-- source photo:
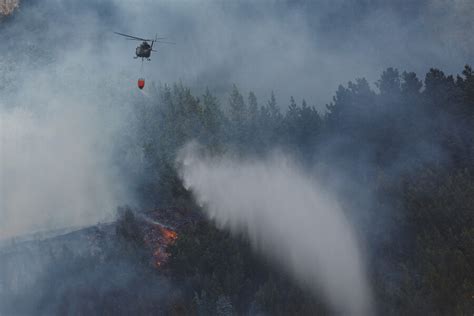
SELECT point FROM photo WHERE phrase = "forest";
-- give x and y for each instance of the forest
(404, 147)
(409, 143)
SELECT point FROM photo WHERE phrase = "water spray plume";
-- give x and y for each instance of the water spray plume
(287, 216)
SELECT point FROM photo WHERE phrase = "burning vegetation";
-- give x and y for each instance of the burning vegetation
(8, 6)
(160, 230)
(154, 231)
(159, 238)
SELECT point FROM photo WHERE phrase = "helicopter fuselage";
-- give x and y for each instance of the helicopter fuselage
(143, 51)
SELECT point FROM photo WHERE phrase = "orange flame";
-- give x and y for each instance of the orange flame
(169, 234)
(159, 238)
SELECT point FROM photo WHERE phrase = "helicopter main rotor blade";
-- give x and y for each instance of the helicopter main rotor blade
(158, 41)
(134, 37)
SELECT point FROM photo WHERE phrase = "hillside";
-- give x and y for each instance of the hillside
(283, 158)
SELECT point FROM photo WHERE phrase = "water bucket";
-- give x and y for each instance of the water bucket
(141, 83)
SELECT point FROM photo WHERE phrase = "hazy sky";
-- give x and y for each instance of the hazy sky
(300, 48)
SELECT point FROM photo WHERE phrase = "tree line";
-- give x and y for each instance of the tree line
(408, 142)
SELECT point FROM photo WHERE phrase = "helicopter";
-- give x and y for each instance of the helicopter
(144, 50)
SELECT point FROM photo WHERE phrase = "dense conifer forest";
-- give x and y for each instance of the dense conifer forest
(408, 142)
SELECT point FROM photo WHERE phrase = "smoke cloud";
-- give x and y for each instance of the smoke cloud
(287, 215)
(63, 114)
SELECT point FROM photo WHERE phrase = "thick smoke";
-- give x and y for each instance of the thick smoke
(63, 109)
(55, 163)
(286, 214)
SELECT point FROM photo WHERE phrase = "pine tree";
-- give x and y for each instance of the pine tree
(238, 117)
(253, 106)
(213, 120)
(237, 106)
